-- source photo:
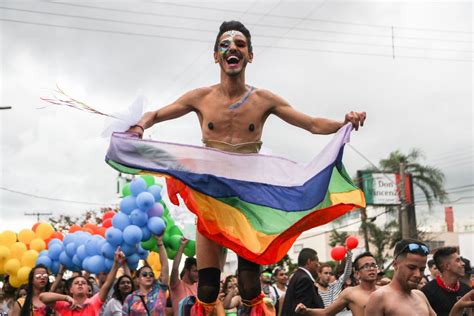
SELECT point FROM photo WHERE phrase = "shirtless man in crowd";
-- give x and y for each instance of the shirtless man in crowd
(231, 116)
(401, 296)
(354, 298)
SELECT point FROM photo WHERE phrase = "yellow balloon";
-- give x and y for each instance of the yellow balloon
(12, 266)
(26, 236)
(4, 253)
(29, 258)
(2, 268)
(38, 244)
(15, 282)
(22, 274)
(17, 250)
(154, 261)
(44, 231)
(7, 238)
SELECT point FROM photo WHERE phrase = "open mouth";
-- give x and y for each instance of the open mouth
(232, 60)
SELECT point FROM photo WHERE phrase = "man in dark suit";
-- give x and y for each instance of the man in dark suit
(302, 288)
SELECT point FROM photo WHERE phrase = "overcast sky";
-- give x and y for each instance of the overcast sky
(325, 57)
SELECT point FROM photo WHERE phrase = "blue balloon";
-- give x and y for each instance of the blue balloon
(71, 249)
(137, 186)
(132, 234)
(114, 236)
(128, 204)
(156, 210)
(156, 191)
(142, 253)
(82, 238)
(108, 250)
(156, 225)
(145, 201)
(120, 221)
(100, 243)
(127, 249)
(138, 218)
(77, 262)
(81, 252)
(133, 266)
(54, 267)
(65, 260)
(146, 233)
(68, 238)
(43, 253)
(96, 264)
(55, 241)
(54, 251)
(133, 259)
(108, 264)
(91, 247)
(45, 260)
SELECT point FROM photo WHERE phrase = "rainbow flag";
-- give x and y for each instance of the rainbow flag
(255, 204)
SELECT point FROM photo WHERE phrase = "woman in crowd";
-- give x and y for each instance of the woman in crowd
(78, 299)
(30, 304)
(122, 288)
(150, 298)
(232, 298)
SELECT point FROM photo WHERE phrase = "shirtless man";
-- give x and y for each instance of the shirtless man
(231, 115)
(355, 298)
(401, 297)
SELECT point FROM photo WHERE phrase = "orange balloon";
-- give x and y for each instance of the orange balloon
(44, 231)
(101, 231)
(26, 236)
(74, 228)
(38, 244)
(91, 226)
(107, 223)
(57, 235)
(33, 228)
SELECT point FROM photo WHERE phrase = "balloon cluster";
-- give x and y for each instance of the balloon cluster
(143, 209)
(18, 253)
(339, 252)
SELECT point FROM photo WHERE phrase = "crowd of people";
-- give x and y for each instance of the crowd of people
(314, 288)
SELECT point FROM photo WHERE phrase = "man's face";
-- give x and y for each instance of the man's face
(325, 276)
(455, 265)
(79, 286)
(434, 270)
(409, 270)
(312, 265)
(367, 269)
(233, 53)
(193, 274)
(281, 277)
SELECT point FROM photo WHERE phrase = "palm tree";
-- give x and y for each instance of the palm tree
(429, 179)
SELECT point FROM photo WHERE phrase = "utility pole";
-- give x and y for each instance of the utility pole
(37, 214)
(403, 205)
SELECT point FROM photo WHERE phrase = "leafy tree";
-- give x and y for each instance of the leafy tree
(337, 238)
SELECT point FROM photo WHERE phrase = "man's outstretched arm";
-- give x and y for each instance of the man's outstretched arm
(315, 125)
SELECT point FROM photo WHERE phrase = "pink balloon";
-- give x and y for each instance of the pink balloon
(351, 242)
(338, 253)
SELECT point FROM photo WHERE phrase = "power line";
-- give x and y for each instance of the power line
(320, 20)
(258, 24)
(194, 29)
(207, 42)
(52, 199)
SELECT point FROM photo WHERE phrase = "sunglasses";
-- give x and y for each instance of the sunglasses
(415, 248)
(368, 266)
(41, 275)
(147, 274)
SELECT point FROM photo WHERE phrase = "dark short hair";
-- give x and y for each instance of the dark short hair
(305, 255)
(188, 264)
(233, 26)
(430, 263)
(402, 247)
(362, 255)
(442, 254)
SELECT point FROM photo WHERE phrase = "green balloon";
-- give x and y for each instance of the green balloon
(166, 239)
(190, 249)
(169, 222)
(156, 248)
(149, 244)
(171, 253)
(174, 230)
(166, 211)
(175, 241)
(126, 190)
(150, 180)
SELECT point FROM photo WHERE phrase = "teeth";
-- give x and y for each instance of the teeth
(232, 57)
